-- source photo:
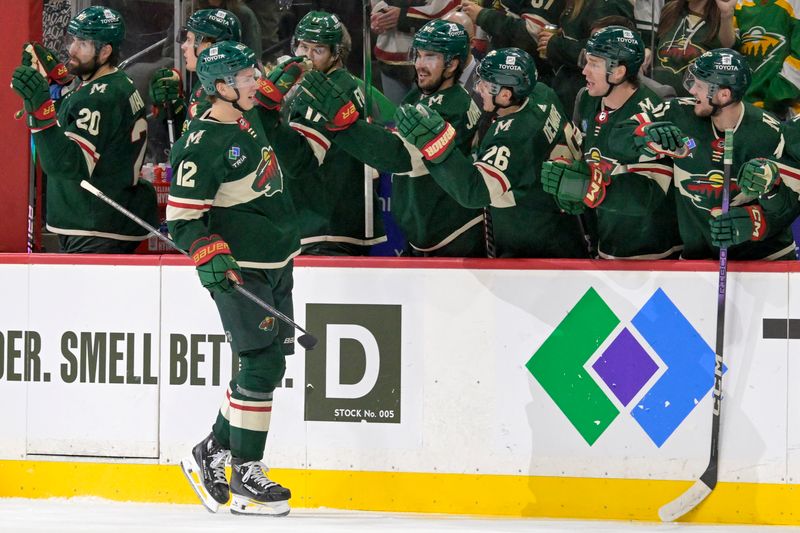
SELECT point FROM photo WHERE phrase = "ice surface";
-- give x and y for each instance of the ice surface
(96, 515)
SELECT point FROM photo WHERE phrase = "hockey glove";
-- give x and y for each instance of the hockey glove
(427, 130)
(740, 224)
(216, 266)
(321, 95)
(166, 87)
(278, 82)
(758, 176)
(46, 62)
(35, 93)
(661, 138)
(567, 180)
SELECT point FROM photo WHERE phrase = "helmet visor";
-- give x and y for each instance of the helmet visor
(77, 45)
(246, 79)
(487, 87)
(310, 50)
(693, 83)
(426, 58)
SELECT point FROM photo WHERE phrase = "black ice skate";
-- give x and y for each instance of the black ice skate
(254, 493)
(205, 470)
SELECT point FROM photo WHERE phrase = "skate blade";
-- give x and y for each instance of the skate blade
(191, 470)
(242, 505)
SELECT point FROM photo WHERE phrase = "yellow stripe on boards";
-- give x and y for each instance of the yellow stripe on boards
(463, 494)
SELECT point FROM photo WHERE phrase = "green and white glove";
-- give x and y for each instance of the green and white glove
(166, 87)
(758, 176)
(661, 138)
(740, 224)
(329, 102)
(34, 90)
(46, 62)
(216, 267)
(427, 130)
(279, 81)
(568, 181)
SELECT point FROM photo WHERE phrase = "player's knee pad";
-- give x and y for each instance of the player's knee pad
(260, 371)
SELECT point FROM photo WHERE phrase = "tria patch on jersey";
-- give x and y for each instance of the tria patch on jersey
(269, 179)
(236, 156)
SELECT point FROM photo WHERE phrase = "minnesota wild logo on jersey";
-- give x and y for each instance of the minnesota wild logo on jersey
(676, 55)
(268, 175)
(761, 44)
(705, 190)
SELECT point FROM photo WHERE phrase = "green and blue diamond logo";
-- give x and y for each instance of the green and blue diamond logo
(625, 366)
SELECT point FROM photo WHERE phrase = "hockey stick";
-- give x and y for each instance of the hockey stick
(307, 341)
(703, 486)
(369, 207)
(32, 199)
(170, 123)
(124, 64)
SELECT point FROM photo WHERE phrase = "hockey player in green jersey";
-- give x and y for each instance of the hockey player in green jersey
(530, 127)
(229, 208)
(99, 134)
(203, 28)
(633, 204)
(433, 222)
(330, 199)
(762, 209)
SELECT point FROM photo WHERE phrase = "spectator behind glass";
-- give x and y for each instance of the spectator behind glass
(268, 16)
(769, 37)
(516, 23)
(689, 28)
(251, 31)
(395, 22)
(563, 48)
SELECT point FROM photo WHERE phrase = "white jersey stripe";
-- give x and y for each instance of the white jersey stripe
(88, 150)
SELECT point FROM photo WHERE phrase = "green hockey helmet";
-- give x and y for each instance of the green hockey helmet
(720, 68)
(618, 45)
(448, 38)
(221, 62)
(213, 25)
(99, 24)
(509, 67)
(319, 27)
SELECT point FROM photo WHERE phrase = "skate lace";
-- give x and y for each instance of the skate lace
(217, 465)
(256, 471)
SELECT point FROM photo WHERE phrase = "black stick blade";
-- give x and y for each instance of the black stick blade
(307, 341)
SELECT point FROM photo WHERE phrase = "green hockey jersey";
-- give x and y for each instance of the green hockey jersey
(228, 180)
(698, 178)
(636, 220)
(101, 138)
(433, 222)
(330, 198)
(769, 31)
(505, 178)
